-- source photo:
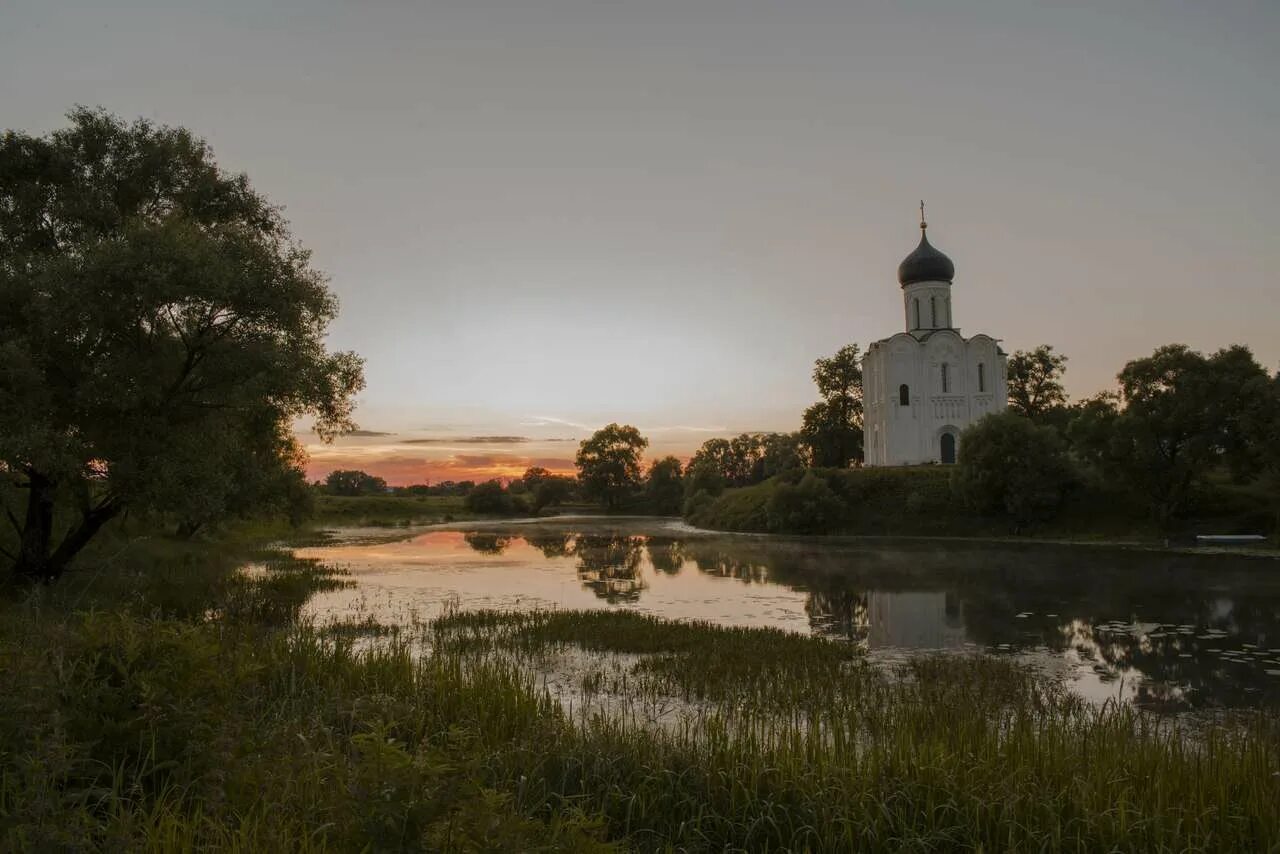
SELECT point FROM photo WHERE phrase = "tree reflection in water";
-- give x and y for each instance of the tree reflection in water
(666, 556)
(1180, 630)
(839, 613)
(609, 566)
(485, 543)
(552, 544)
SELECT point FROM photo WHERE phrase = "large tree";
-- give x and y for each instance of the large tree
(609, 463)
(832, 427)
(354, 482)
(664, 487)
(155, 312)
(740, 460)
(1179, 415)
(1035, 381)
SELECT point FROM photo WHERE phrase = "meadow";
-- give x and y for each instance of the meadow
(163, 698)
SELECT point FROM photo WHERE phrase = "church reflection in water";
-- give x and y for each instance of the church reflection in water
(915, 620)
(1178, 630)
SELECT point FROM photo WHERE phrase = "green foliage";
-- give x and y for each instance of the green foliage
(703, 475)
(696, 506)
(664, 488)
(1179, 415)
(807, 507)
(354, 482)
(547, 489)
(784, 452)
(749, 457)
(1009, 465)
(156, 319)
(491, 498)
(832, 427)
(1035, 382)
(609, 464)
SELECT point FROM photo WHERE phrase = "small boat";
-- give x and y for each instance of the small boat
(1229, 539)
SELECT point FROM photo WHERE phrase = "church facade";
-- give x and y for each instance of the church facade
(924, 385)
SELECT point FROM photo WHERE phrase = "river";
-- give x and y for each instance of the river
(1164, 631)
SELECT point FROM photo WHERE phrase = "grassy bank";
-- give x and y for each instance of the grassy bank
(159, 699)
(920, 501)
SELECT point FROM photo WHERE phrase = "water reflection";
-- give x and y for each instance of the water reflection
(609, 566)
(1164, 631)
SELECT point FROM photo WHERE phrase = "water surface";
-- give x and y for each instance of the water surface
(1164, 631)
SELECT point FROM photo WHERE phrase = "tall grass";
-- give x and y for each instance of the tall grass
(141, 715)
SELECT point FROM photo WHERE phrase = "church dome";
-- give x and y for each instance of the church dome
(925, 264)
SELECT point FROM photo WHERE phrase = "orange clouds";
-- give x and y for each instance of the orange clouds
(403, 459)
(405, 469)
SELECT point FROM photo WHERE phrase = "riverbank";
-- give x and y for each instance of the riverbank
(920, 501)
(163, 698)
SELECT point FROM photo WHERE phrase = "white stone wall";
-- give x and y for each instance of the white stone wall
(912, 434)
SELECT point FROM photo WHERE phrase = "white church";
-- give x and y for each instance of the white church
(923, 386)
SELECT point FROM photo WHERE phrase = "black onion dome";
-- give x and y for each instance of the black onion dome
(925, 264)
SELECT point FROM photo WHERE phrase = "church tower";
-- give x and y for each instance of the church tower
(923, 386)
(925, 276)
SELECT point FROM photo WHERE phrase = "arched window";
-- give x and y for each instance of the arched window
(982, 377)
(904, 395)
(946, 309)
(946, 378)
(917, 326)
(933, 312)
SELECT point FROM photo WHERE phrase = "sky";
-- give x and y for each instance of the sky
(541, 216)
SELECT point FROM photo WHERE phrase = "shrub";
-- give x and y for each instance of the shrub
(490, 497)
(1011, 466)
(697, 504)
(808, 507)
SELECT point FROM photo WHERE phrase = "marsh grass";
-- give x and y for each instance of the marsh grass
(153, 709)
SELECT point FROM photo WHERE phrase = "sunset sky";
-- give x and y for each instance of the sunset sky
(541, 216)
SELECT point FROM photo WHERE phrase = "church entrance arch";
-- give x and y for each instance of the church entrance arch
(948, 448)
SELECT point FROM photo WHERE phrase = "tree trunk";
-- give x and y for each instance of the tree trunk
(37, 529)
(187, 530)
(91, 521)
(37, 559)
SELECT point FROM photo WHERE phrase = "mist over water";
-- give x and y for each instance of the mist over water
(1163, 631)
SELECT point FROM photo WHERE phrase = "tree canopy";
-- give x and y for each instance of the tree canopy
(1178, 415)
(1011, 466)
(155, 314)
(832, 427)
(1035, 381)
(664, 488)
(609, 463)
(354, 482)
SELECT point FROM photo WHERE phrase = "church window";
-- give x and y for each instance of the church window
(946, 378)
(982, 377)
(904, 395)
(933, 312)
(917, 301)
